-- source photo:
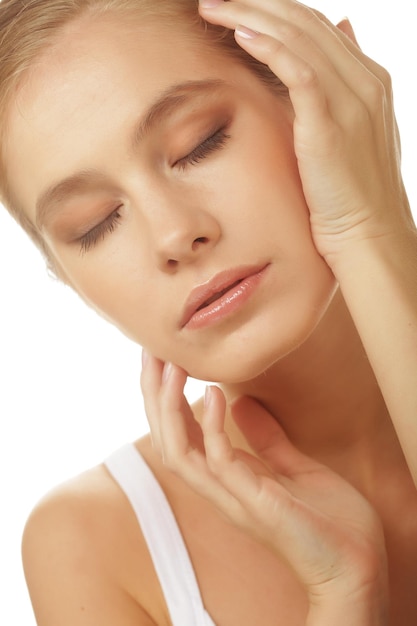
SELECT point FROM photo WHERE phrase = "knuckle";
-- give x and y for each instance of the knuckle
(314, 13)
(306, 76)
(290, 32)
(219, 462)
(300, 13)
(217, 467)
(376, 92)
(385, 77)
(275, 47)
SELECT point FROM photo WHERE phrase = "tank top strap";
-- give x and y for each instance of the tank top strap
(161, 532)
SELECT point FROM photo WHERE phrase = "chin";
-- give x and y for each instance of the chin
(247, 354)
(241, 366)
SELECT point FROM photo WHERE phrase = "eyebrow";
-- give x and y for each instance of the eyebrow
(89, 179)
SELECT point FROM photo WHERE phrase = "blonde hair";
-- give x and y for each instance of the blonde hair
(29, 27)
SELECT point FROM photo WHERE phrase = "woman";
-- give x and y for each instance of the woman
(242, 232)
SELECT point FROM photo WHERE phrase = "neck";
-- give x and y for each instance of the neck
(325, 396)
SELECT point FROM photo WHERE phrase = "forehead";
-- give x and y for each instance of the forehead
(107, 56)
(97, 79)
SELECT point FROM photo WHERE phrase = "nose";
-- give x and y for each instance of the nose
(181, 233)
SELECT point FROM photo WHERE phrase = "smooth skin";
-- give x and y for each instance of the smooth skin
(364, 231)
(294, 483)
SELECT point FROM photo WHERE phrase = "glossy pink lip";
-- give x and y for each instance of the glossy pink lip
(221, 296)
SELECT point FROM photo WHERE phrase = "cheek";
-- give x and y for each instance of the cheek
(261, 187)
(116, 285)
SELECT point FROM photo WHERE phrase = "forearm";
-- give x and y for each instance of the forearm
(378, 279)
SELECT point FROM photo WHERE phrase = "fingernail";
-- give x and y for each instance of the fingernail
(246, 33)
(167, 372)
(145, 357)
(210, 4)
(207, 396)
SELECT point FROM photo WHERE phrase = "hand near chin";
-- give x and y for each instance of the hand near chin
(345, 133)
(302, 511)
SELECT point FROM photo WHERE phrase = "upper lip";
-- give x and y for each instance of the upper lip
(214, 288)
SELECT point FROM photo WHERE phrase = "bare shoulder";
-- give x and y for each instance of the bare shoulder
(85, 558)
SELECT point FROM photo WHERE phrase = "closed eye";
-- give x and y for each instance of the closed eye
(213, 143)
(203, 150)
(98, 233)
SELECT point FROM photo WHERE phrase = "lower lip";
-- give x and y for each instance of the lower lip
(229, 303)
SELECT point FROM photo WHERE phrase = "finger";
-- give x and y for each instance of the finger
(325, 110)
(267, 509)
(273, 23)
(327, 73)
(346, 27)
(300, 15)
(267, 438)
(179, 431)
(185, 454)
(307, 93)
(219, 451)
(239, 472)
(316, 91)
(351, 43)
(150, 380)
(309, 35)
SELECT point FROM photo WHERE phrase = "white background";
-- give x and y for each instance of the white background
(69, 383)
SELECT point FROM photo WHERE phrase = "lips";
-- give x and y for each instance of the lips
(218, 295)
(214, 291)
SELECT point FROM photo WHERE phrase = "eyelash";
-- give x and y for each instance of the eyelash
(208, 146)
(204, 149)
(107, 226)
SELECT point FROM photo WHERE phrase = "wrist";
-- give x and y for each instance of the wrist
(358, 597)
(358, 254)
(365, 608)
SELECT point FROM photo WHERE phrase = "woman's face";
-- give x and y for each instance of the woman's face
(162, 173)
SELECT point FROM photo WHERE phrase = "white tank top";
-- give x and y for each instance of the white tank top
(162, 535)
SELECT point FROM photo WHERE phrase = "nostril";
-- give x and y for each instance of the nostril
(172, 263)
(199, 240)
